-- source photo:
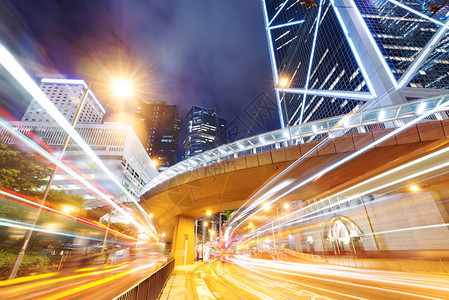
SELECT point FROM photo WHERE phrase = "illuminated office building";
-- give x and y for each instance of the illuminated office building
(116, 144)
(160, 123)
(342, 55)
(205, 130)
(66, 95)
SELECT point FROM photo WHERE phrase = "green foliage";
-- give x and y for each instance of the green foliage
(32, 262)
(19, 171)
(125, 228)
(229, 213)
(23, 173)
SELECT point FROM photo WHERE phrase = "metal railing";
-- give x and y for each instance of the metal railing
(304, 133)
(150, 287)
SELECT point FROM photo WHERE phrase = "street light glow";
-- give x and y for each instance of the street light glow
(122, 88)
(151, 215)
(414, 188)
(208, 212)
(283, 82)
(286, 205)
(154, 163)
(66, 208)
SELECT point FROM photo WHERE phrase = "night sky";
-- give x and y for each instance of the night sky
(185, 52)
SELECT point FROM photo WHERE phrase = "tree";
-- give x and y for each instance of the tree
(21, 172)
(24, 173)
(229, 213)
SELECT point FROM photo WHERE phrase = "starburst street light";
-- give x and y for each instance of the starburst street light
(122, 87)
(283, 82)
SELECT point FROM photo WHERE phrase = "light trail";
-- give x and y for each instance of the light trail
(217, 264)
(348, 158)
(23, 288)
(20, 75)
(245, 286)
(54, 211)
(95, 283)
(42, 152)
(410, 165)
(341, 272)
(26, 226)
(282, 267)
(301, 284)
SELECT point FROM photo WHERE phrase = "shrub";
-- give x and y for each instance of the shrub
(32, 262)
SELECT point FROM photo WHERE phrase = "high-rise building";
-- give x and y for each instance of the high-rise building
(116, 144)
(66, 95)
(160, 122)
(118, 147)
(205, 130)
(332, 56)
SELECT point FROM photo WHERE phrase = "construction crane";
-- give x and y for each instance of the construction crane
(435, 8)
(309, 3)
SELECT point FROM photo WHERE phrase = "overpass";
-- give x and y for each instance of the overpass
(225, 177)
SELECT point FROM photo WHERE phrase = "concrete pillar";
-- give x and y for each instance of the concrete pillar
(183, 248)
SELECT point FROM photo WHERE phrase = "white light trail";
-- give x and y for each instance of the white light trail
(15, 69)
(320, 271)
(35, 147)
(337, 164)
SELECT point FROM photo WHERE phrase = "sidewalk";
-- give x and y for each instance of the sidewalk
(180, 283)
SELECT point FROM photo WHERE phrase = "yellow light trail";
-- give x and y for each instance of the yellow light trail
(11, 291)
(28, 278)
(94, 283)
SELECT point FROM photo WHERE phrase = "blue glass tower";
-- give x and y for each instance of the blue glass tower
(205, 130)
(333, 56)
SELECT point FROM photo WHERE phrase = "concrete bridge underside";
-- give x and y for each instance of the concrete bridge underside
(176, 203)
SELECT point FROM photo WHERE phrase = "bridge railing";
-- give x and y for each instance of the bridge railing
(358, 122)
(150, 287)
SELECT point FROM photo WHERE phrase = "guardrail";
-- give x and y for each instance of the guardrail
(150, 287)
(367, 120)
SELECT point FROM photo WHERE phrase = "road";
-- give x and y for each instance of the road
(235, 278)
(247, 278)
(94, 282)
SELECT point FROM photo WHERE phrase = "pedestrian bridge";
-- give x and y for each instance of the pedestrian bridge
(225, 177)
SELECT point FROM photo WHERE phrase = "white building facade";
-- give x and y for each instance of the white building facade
(115, 144)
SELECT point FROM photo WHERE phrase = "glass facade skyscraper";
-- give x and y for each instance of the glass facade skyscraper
(205, 130)
(160, 122)
(333, 56)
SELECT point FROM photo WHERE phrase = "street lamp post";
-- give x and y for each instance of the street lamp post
(283, 83)
(268, 207)
(274, 240)
(196, 239)
(28, 234)
(106, 259)
(204, 238)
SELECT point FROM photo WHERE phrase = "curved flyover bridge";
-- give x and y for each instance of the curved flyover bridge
(225, 177)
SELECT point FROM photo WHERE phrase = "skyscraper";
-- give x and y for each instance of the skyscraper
(333, 56)
(160, 123)
(116, 144)
(66, 95)
(205, 130)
